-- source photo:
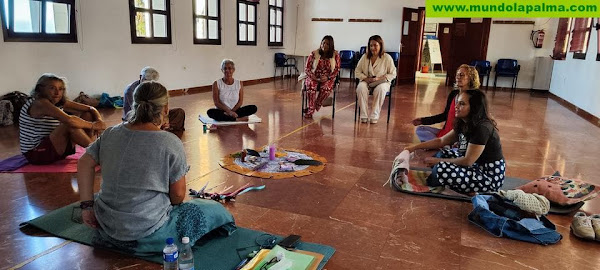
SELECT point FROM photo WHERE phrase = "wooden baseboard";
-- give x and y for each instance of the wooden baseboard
(585, 115)
(208, 88)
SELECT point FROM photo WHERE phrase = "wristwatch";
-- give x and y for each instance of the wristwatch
(86, 204)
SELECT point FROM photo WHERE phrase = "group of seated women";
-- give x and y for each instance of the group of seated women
(50, 126)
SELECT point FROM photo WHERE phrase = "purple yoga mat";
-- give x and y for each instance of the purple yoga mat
(13, 163)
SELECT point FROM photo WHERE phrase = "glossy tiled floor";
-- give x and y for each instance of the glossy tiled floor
(346, 205)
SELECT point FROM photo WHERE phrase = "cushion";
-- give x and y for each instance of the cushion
(561, 190)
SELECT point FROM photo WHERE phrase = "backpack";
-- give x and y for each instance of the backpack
(6, 113)
(17, 99)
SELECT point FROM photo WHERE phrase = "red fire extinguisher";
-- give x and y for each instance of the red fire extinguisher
(537, 38)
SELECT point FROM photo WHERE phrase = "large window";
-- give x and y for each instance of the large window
(207, 22)
(246, 23)
(150, 21)
(275, 22)
(38, 20)
(562, 39)
(582, 29)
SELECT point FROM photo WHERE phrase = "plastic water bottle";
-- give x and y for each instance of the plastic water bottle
(170, 255)
(186, 260)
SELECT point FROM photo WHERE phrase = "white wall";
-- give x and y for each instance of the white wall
(578, 81)
(351, 35)
(513, 41)
(104, 60)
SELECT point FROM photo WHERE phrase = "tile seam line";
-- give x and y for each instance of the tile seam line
(41, 254)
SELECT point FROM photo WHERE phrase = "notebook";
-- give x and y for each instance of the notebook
(299, 260)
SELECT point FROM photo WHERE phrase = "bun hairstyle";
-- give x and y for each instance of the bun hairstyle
(37, 91)
(149, 99)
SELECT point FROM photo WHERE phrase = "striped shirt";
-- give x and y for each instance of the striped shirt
(33, 130)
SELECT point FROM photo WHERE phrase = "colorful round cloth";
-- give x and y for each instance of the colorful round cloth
(281, 167)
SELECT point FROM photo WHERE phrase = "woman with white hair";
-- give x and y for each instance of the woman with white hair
(176, 116)
(228, 96)
(147, 74)
(140, 203)
(46, 132)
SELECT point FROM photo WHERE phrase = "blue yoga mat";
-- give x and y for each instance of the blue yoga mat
(218, 253)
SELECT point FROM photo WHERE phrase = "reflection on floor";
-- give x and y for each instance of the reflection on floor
(345, 205)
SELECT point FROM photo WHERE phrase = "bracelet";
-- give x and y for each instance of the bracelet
(86, 204)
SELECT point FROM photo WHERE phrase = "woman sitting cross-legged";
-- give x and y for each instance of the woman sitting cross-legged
(478, 165)
(228, 96)
(143, 183)
(322, 67)
(46, 132)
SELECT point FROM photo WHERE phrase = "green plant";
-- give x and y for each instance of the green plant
(425, 56)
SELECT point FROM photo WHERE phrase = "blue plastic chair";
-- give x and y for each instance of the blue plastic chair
(347, 61)
(395, 56)
(389, 95)
(282, 61)
(483, 68)
(507, 68)
(363, 50)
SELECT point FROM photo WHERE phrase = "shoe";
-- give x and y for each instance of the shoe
(308, 116)
(327, 102)
(373, 121)
(364, 120)
(582, 226)
(596, 224)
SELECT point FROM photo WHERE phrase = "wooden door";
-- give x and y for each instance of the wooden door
(411, 41)
(445, 37)
(469, 42)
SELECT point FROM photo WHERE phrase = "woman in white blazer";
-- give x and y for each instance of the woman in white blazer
(375, 70)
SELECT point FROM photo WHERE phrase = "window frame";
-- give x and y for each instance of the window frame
(598, 37)
(207, 41)
(575, 32)
(562, 38)
(11, 36)
(269, 25)
(150, 40)
(255, 23)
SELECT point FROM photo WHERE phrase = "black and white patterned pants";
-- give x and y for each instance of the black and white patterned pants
(486, 177)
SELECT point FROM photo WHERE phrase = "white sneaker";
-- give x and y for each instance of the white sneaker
(596, 225)
(582, 226)
(374, 121)
(364, 120)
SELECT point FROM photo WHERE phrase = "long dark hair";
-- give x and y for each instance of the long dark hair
(327, 54)
(478, 113)
(380, 41)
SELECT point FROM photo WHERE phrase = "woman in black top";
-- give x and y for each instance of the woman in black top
(478, 164)
(467, 78)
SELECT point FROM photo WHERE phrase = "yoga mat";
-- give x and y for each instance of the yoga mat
(252, 119)
(67, 165)
(219, 253)
(509, 183)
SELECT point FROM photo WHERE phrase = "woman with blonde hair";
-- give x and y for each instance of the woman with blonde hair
(140, 204)
(46, 132)
(467, 78)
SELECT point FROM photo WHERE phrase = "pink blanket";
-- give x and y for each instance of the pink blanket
(68, 165)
